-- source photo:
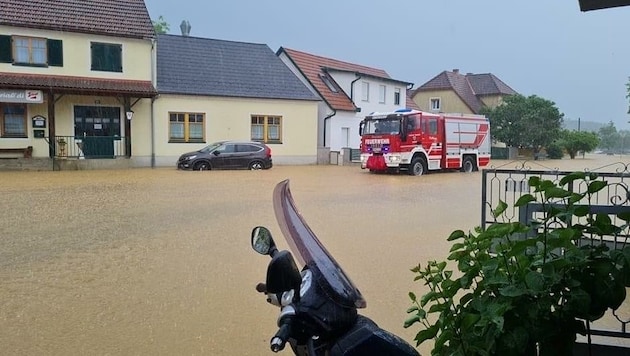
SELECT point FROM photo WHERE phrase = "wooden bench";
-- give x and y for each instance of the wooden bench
(26, 152)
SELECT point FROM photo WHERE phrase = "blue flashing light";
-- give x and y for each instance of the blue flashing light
(403, 110)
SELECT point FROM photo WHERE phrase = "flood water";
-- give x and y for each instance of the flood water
(158, 261)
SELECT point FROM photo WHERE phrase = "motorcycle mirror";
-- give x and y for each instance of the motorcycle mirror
(262, 242)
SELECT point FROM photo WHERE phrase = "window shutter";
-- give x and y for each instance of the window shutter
(6, 54)
(55, 53)
(118, 65)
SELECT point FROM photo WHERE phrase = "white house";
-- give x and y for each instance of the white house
(348, 92)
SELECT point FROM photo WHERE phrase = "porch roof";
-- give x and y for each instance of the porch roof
(78, 85)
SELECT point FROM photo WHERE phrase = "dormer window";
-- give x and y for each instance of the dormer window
(329, 83)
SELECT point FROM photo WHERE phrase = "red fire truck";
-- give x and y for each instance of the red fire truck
(418, 142)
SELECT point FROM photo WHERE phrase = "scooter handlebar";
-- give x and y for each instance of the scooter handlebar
(279, 340)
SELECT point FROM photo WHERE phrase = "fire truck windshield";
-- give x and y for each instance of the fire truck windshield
(381, 126)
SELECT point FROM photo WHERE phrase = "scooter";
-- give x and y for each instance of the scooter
(318, 304)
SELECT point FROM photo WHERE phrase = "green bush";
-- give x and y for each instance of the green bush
(554, 151)
(525, 289)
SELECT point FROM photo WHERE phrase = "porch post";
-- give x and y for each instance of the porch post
(127, 127)
(51, 123)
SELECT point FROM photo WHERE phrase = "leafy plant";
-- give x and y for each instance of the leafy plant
(554, 150)
(525, 289)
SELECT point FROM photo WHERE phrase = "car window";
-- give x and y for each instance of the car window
(227, 148)
(247, 148)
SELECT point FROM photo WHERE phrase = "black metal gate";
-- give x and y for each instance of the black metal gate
(509, 184)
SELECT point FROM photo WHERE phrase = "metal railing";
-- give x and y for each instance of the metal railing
(80, 147)
(508, 185)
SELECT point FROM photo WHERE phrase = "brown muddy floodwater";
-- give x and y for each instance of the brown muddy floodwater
(158, 261)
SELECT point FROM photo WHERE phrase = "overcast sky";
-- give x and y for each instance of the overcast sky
(579, 60)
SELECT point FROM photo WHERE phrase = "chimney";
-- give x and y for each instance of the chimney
(456, 71)
(185, 27)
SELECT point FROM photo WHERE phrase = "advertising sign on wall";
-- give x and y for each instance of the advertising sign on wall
(21, 96)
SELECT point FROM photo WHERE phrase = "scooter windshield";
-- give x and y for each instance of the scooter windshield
(310, 252)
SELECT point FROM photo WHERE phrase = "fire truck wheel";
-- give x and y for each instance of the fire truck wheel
(468, 165)
(418, 166)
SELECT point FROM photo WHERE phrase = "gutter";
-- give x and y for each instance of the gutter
(326, 119)
(152, 113)
(352, 88)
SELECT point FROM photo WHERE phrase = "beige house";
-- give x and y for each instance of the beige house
(213, 90)
(67, 82)
(453, 92)
(81, 91)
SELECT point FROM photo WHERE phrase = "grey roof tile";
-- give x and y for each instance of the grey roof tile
(201, 66)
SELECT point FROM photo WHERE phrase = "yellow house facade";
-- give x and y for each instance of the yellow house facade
(454, 92)
(231, 119)
(213, 90)
(77, 90)
(68, 84)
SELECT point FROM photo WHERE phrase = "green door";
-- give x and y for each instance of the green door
(97, 127)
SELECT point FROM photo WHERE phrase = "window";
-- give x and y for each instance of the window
(12, 120)
(381, 94)
(397, 96)
(431, 126)
(435, 104)
(267, 129)
(366, 91)
(31, 51)
(106, 57)
(186, 127)
(326, 79)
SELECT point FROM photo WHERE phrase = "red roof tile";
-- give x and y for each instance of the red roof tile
(78, 85)
(120, 18)
(410, 103)
(314, 67)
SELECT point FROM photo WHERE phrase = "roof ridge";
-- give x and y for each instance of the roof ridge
(335, 60)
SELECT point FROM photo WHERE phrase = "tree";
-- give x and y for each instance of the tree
(624, 141)
(575, 141)
(609, 137)
(161, 26)
(531, 122)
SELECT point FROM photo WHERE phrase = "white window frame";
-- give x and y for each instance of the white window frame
(382, 92)
(435, 104)
(396, 96)
(365, 93)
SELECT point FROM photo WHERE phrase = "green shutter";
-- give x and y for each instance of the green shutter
(118, 66)
(55, 53)
(6, 54)
(106, 57)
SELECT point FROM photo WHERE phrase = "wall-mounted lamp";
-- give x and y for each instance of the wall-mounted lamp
(129, 114)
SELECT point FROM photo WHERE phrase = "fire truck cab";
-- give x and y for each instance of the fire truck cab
(418, 142)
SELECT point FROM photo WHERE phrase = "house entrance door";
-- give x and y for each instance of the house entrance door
(99, 128)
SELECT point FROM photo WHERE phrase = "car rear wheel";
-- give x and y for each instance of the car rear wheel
(256, 165)
(468, 165)
(202, 166)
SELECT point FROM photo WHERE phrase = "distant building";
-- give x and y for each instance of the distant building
(348, 92)
(453, 92)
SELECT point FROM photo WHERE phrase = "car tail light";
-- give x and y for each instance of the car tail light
(268, 151)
